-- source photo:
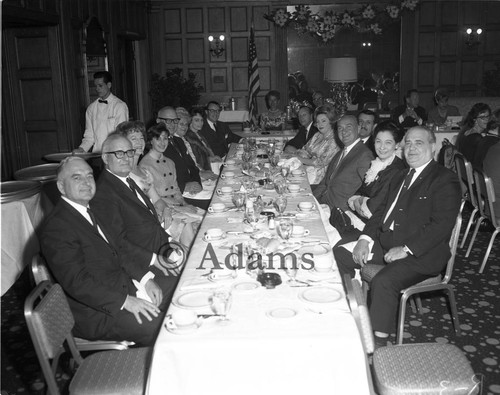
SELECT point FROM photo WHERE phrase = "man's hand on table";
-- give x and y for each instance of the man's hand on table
(140, 307)
(154, 292)
(360, 252)
(193, 187)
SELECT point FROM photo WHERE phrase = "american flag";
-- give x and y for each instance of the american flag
(253, 78)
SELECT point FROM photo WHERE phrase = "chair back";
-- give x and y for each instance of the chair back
(50, 321)
(39, 270)
(485, 196)
(455, 234)
(464, 171)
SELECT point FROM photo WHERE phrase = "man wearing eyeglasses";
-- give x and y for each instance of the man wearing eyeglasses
(217, 133)
(188, 174)
(131, 215)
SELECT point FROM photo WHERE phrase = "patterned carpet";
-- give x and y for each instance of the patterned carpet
(478, 298)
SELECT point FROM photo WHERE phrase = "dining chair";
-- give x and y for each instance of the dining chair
(40, 272)
(439, 282)
(465, 175)
(486, 198)
(421, 368)
(50, 322)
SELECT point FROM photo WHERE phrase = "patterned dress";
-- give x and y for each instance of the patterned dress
(322, 148)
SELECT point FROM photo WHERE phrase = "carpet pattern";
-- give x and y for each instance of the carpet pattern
(478, 301)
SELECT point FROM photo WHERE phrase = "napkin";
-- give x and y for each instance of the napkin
(292, 163)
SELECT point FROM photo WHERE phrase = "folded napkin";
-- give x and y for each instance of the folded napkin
(292, 163)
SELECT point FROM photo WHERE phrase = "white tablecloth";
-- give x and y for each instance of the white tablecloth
(257, 354)
(19, 241)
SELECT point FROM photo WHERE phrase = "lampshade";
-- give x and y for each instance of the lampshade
(341, 70)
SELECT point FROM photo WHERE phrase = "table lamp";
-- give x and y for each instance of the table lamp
(339, 72)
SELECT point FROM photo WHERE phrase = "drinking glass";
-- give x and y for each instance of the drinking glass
(279, 186)
(253, 217)
(239, 200)
(285, 228)
(285, 170)
(220, 303)
(291, 269)
(280, 204)
(274, 159)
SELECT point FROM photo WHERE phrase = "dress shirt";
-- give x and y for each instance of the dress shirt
(100, 120)
(308, 129)
(212, 125)
(350, 147)
(365, 139)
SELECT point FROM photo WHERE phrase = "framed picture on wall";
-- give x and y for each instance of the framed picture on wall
(218, 79)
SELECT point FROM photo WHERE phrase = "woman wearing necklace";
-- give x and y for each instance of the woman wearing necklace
(274, 118)
(442, 110)
(475, 124)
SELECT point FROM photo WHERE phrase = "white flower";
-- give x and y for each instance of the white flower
(347, 19)
(393, 11)
(312, 25)
(410, 4)
(328, 20)
(281, 17)
(368, 13)
(374, 27)
(327, 35)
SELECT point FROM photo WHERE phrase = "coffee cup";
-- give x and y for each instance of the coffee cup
(320, 255)
(297, 172)
(300, 231)
(247, 130)
(225, 191)
(227, 175)
(217, 208)
(306, 206)
(183, 318)
(214, 234)
(293, 188)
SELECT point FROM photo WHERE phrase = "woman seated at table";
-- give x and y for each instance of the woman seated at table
(387, 137)
(202, 149)
(162, 170)
(178, 229)
(274, 118)
(322, 147)
(442, 110)
(195, 149)
(470, 136)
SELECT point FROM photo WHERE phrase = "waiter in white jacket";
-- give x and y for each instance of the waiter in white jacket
(102, 115)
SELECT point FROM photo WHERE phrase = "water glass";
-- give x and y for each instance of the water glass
(220, 303)
(239, 200)
(285, 228)
(280, 204)
(285, 170)
(280, 187)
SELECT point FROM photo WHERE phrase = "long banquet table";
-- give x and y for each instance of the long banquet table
(276, 342)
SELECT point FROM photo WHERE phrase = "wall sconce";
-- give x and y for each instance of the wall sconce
(366, 44)
(473, 36)
(216, 45)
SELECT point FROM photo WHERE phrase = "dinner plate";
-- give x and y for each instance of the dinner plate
(184, 330)
(246, 286)
(282, 312)
(193, 299)
(320, 295)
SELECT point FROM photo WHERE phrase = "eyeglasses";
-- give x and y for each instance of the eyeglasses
(120, 154)
(484, 117)
(169, 121)
(213, 111)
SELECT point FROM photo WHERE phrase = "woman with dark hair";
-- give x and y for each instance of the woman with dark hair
(201, 148)
(322, 147)
(442, 110)
(274, 118)
(475, 124)
(387, 137)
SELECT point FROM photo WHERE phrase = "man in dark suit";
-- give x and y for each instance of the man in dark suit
(306, 130)
(410, 231)
(347, 169)
(82, 254)
(132, 216)
(410, 114)
(367, 121)
(217, 133)
(188, 174)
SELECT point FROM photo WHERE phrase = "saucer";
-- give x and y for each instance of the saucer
(184, 330)
(322, 296)
(219, 277)
(224, 235)
(246, 286)
(193, 300)
(282, 312)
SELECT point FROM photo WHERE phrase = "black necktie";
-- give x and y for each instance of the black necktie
(135, 188)
(103, 101)
(92, 218)
(406, 185)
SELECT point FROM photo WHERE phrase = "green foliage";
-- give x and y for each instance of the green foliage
(491, 81)
(174, 90)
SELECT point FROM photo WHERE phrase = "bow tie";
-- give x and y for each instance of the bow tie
(103, 101)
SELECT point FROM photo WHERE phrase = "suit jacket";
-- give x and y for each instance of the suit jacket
(87, 267)
(370, 143)
(408, 122)
(184, 165)
(300, 138)
(200, 151)
(220, 139)
(341, 182)
(428, 211)
(136, 229)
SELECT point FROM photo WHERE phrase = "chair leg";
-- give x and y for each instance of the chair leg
(476, 229)
(453, 308)
(469, 224)
(418, 302)
(413, 305)
(401, 318)
(365, 286)
(488, 250)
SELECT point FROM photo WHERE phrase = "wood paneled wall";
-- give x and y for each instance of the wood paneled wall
(436, 52)
(179, 39)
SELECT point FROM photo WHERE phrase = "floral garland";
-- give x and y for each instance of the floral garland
(367, 18)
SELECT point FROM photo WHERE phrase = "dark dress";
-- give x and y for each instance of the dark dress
(200, 151)
(468, 145)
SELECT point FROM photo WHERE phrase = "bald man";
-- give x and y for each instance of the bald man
(83, 256)
(347, 169)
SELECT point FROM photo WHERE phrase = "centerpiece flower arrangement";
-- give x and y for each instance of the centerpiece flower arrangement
(324, 27)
